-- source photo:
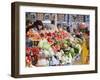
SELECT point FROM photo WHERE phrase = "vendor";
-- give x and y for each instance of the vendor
(38, 25)
(85, 46)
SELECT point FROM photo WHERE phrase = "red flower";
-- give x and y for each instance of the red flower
(78, 33)
(82, 26)
(50, 41)
(53, 34)
(35, 50)
(35, 53)
(28, 59)
(28, 50)
(56, 48)
(65, 34)
(62, 32)
(58, 37)
(49, 34)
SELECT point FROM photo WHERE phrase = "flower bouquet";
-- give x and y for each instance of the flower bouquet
(54, 48)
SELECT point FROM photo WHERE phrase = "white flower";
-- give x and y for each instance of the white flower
(79, 47)
(51, 51)
(59, 55)
(43, 62)
(54, 61)
(46, 53)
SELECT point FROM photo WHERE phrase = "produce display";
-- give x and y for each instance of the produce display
(52, 48)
